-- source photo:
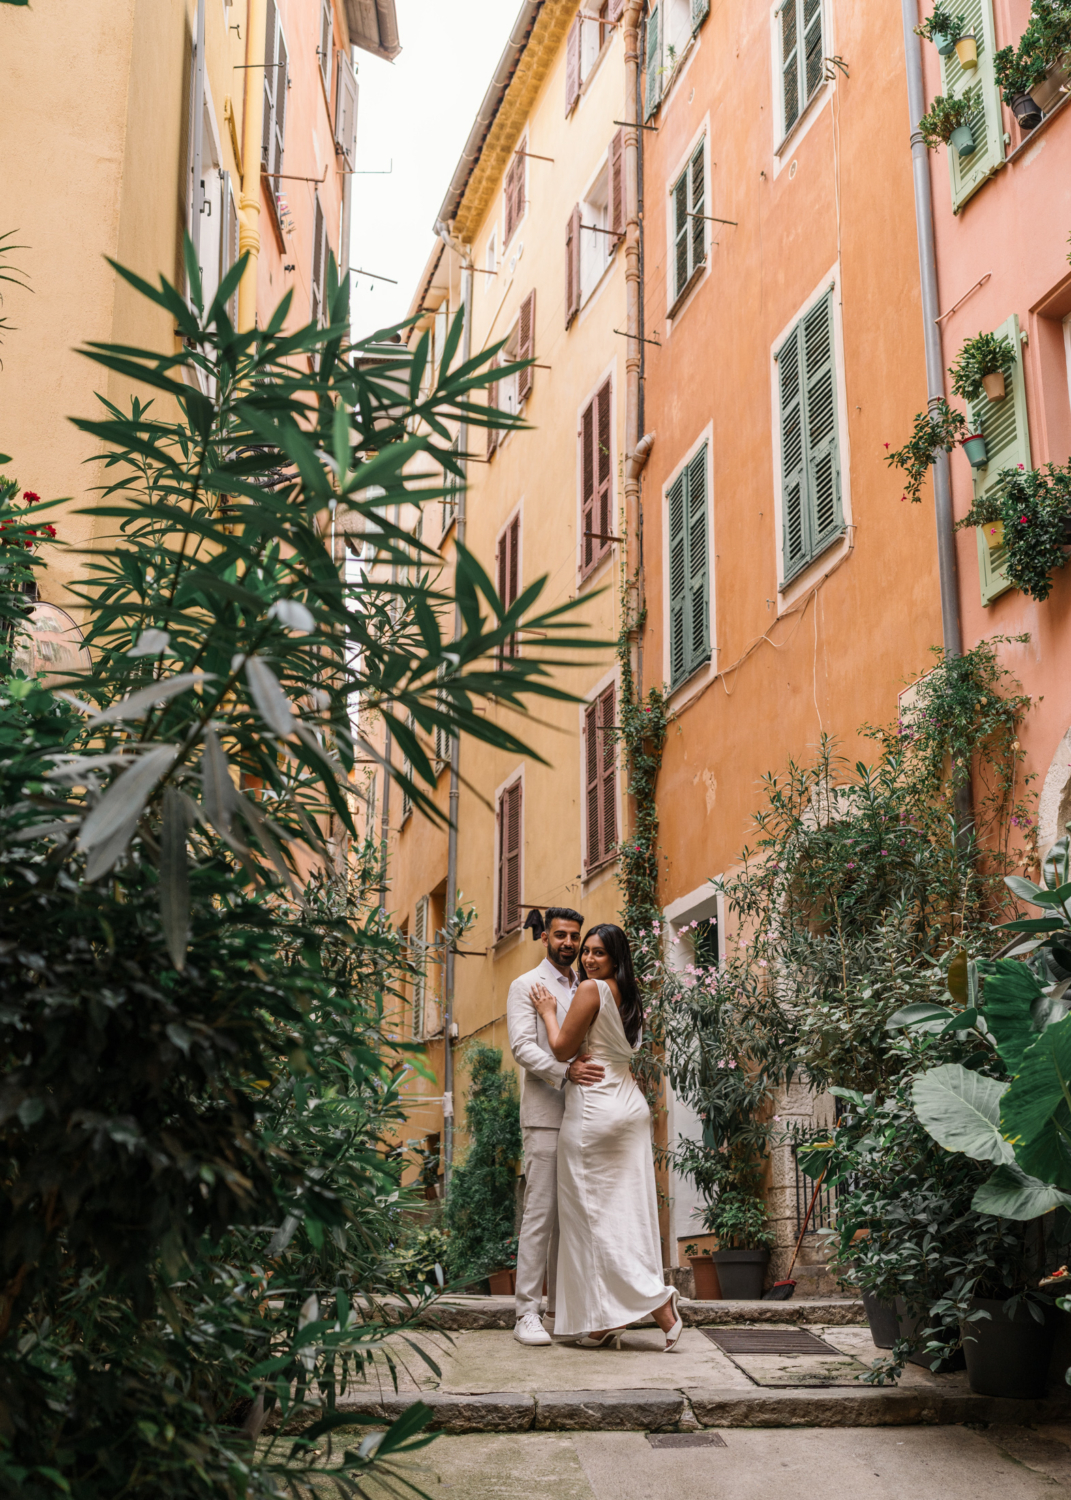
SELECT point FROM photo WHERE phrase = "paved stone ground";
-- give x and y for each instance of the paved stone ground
(946, 1463)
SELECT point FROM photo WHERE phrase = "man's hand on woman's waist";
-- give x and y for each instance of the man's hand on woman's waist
(583, 1071)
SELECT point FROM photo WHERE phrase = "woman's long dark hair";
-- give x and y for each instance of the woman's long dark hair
(620, 954)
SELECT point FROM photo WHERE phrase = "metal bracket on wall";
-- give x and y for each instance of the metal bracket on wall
(634, 124)
(291, 177)
(625, 335)
(711, 219)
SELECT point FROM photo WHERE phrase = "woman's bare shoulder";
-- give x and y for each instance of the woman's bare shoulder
(587, 989)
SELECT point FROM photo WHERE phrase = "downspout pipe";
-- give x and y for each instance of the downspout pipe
(450, 958)
(256, 24)
(931, 329)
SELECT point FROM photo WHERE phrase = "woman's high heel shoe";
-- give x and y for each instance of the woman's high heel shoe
(612, 1338)
(673, 1336)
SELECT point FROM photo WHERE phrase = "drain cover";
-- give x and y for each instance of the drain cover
(767, 1341)
(685, 1440)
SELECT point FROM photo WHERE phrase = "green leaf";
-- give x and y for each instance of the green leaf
(1011, 991)
(174, 877)
(1026, 890)
(957, 978)
(918, 1014)
(1011, 1194)
(961, 1111)
(1033, 924)
(1036, 1111)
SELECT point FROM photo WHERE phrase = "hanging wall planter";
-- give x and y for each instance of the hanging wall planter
(974, 448)
(967, 52)
(1026, 111)
(962, 138)
(994, 385)
(943, 43)
(993, 531)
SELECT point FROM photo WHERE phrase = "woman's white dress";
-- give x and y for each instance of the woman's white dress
(609, 1253)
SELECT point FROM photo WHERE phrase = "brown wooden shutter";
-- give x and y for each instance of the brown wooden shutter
(513, 193)
(281, 72)
(592, 789)
(572, 266)
(318, 247)
(268, 130)
(526, 345)
(603, 475)
(493, 433)
(587, 488)
(608, 774)
(572, 66)
(614, 11)
(326, 38)
(616, 185)
(509, 859)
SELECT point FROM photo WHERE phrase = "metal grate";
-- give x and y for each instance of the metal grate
(686, 1440)
(767, 1341)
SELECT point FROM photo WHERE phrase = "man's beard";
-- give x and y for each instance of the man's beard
(566, 960)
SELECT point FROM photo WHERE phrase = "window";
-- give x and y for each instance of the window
(596, 481)
(443, 740)
(968, 173)
(1007, 443)
(513, 192)
(323, 51)
(407, 771)
(320, 252)
(689, 226)
(689, 570)
(670, 27)
(509, 578)
(209, 212)
(418, 955)
(588, 34)
(802, 62)
(508, 918)
(275, 83)
(810, 459)
(595, 229)
(491, 259)
(600, 779)
(511, 391)
(346, 109)
(452, 484)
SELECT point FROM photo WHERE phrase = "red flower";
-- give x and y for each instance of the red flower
(29, 496)
(1022, 520)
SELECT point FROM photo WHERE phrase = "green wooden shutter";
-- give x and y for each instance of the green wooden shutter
(697, 177)
(813, 59)
(823, 464)
(678, 580)
(968, 173)
(1007, 443)
(419, 956)
(700, 11)
(680, 235)
(793, 485)
(653, 92)
(790, 69)
(697, 612)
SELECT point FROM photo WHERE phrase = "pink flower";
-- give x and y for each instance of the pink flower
(851, 864)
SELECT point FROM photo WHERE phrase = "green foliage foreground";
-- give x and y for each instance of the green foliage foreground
(199, 1193)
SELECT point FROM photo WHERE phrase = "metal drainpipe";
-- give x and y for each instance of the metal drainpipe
(256, 23)
(450, 964)
(935, 374)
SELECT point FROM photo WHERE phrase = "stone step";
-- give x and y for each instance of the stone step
(689, 1409)
(461, 1314)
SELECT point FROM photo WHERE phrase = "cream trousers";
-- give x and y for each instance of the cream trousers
(537, 1250)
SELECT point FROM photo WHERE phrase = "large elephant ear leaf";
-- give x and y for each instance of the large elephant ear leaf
(1011, 1194)
(1035, 1113)
(1011, 990)
(961, 1110)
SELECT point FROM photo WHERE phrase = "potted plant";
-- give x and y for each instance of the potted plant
(942, 28)
(1032, 75)
(967, 52)
(940, 429)
(740, 1220)
(974, 447)
(705, 1272)
(1032, 509)
(982, 367)
(947, 122)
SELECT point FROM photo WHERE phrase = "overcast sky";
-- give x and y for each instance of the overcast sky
(416, 113)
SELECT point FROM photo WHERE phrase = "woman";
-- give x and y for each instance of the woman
(609, 1257)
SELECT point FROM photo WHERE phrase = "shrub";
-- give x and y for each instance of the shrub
(1034, 506)
(482, 1206)
(941, 429)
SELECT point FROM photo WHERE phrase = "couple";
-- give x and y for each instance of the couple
(590, 1222)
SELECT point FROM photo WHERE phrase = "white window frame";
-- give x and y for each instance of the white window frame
(788, 137)
(697, 680)
(790, 593)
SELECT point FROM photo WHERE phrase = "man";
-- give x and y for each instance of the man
(542, 1107)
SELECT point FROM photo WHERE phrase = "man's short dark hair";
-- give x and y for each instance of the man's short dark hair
(562, 914)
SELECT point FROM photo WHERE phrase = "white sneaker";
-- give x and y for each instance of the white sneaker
(529, 1330)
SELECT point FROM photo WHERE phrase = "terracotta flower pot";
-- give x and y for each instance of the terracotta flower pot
(974, 448)
(967, 52)
(994, 385)
(502, 1283)
(707, 1285)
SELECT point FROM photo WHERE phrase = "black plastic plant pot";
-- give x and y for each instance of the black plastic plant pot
(1065, 522)
(884, 1324)
(1008, 1356)
(741, 1273)
(1026, 112)
(910, 1324)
